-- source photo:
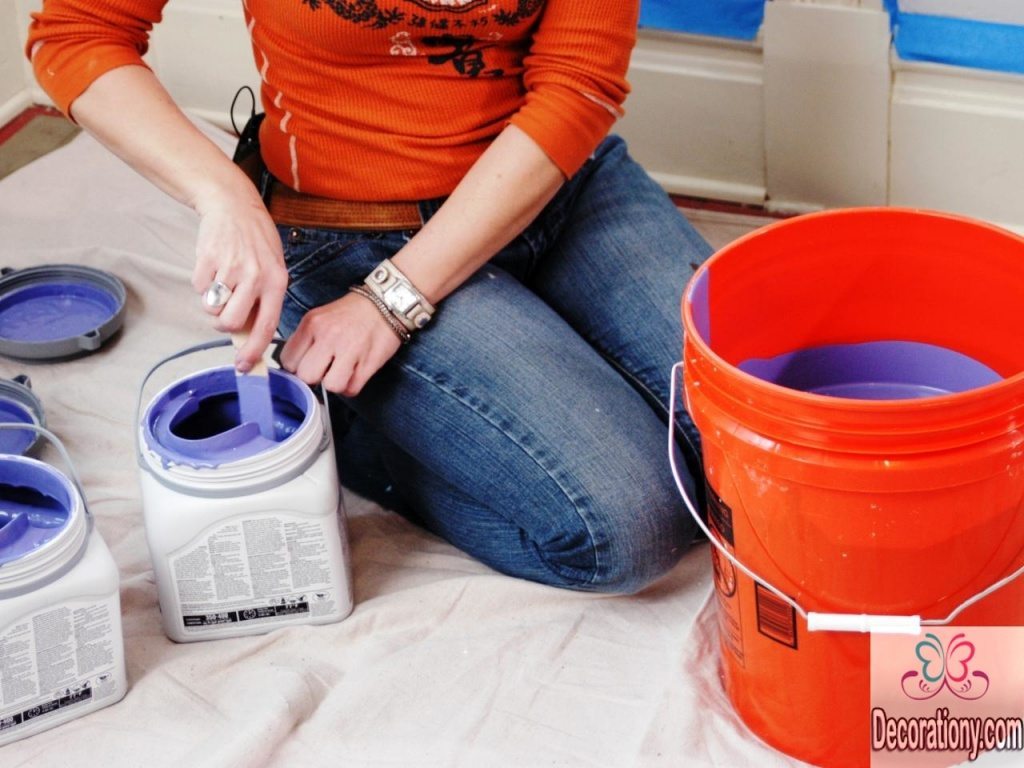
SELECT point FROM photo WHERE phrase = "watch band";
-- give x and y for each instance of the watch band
(399, 295)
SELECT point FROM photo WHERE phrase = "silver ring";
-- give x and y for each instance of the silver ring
(216, 295)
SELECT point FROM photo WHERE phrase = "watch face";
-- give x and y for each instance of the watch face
(400, 298)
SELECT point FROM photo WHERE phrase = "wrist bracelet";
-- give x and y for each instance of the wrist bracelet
(399, 295)
(391, 320)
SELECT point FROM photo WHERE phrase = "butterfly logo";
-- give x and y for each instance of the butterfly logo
(944, 668)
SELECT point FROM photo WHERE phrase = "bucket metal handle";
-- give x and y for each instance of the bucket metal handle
(817, 622)
(65, 456)
(202, 347)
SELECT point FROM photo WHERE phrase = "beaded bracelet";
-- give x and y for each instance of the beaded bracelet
(393, 322)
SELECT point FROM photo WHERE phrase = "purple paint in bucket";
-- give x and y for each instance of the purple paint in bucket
(15, 442)
(872, 370)
(877, 370)
(18, 405)
(35, 506)
(197, 421)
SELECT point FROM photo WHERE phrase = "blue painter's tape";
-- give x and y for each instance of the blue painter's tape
(738, 19)
(959, 42)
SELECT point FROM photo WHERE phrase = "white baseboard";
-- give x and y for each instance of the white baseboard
(709, 189)
(695, 116)
(14, 106)
(956, 142)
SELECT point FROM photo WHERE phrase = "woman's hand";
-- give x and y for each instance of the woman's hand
(132, 115)
(341, 344)
(238, 245)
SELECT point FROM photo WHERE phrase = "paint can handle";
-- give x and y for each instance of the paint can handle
(816, 622)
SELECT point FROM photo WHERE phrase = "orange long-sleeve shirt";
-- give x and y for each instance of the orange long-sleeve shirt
(386, 99)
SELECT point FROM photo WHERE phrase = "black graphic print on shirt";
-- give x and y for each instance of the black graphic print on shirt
(465, 53)
(457, 44)
(369, 13)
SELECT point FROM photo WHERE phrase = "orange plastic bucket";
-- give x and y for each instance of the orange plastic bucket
(863, 504)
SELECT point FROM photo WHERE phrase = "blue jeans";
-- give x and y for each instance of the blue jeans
(527, 424)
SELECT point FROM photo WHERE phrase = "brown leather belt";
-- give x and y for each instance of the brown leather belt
(292, 208)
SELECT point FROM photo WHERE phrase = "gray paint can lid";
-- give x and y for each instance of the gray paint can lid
(59, 311)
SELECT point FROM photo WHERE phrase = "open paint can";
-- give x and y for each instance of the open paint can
(61, 648)
(246, 532)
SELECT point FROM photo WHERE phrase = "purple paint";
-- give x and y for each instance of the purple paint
(35, 506)
(52, 311)
(255, 402)
(198, 422)
(877, 370)
(701, 303)
(15, 441)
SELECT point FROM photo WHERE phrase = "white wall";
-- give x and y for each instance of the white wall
(814, 113)
(695, 117)
(14, 96)
(200, 51)
(202, 55)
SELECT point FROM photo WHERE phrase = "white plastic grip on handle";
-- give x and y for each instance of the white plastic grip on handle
(863, 622)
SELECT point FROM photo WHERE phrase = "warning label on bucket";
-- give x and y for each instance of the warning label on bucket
(256, 570)
(56, 662)
(720, 524)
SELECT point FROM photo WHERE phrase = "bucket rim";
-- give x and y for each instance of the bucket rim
(57, 554)
(172, 458)
(812, 399)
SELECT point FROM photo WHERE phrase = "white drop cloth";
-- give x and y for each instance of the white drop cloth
(442, 663)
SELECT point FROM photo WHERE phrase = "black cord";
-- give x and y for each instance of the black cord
(252, 112)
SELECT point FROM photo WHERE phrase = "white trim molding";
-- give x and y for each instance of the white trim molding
(695, 116)
(956, 141)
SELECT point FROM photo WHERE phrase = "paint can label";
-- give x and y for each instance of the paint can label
(251, 572)
(58, 663)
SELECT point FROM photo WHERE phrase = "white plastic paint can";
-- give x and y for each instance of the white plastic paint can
(246, 534)
(61, 646)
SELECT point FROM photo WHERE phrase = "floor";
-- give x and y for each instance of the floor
(33, 133)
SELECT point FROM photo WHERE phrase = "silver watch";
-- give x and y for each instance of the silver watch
(399, 295)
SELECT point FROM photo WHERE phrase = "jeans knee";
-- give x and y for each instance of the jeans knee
(621, 548)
